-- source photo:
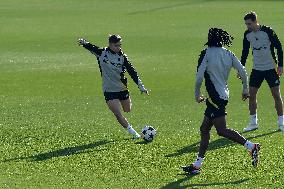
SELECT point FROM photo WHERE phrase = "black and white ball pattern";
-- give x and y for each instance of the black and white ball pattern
(148, 133)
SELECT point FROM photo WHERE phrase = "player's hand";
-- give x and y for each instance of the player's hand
(245, 96)
(199, 98)
(145, 91)
(82, 41)
(238, 76)
(279, 71)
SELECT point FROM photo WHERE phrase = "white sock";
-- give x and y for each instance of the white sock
(253, 119)
(280, 120)
(131, 130)
(198, 162)
(249, 145)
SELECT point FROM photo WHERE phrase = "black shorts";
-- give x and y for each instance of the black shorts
(122, 95)
(257, 77)
(215, 108)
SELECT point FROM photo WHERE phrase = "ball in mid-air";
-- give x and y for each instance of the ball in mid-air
(148, 133)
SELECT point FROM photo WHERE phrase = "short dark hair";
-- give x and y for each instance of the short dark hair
(218, 37)
(251, 15)
(114, 38)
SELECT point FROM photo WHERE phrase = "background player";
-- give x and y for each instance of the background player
(263, 40)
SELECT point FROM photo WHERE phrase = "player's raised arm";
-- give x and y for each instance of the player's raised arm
(245, 51)
(92, 48)
(202, 64)
(134, 75)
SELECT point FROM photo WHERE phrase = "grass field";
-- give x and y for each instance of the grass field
(56, 131)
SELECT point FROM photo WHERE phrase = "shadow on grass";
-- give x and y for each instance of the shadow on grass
(216, 144)
(63, 152)
(143, 142)
(177, 184)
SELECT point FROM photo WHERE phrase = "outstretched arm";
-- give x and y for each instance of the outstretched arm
(134, 75)
(92, 48)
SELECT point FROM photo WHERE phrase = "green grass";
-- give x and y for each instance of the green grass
(56, 131)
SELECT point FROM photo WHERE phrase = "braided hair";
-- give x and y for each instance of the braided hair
(218, 38)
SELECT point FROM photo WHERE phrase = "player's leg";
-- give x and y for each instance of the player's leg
(126, 104)
(253, 124)
(205, 137)
(125, 101)
(222, 130)
(273, 81)
(278, 100)
(256, 79)
(278, 105)
(205, 129)
(115, 106)
(253, 100)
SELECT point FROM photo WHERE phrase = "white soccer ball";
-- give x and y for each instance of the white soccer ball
(148, 133)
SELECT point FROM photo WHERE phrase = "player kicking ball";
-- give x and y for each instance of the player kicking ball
(113, 64)
(215, 63)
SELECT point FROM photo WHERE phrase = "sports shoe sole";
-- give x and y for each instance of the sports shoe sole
(251, 129)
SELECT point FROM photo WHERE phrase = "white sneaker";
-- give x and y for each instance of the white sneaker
(251, 127)
(136, 136)
(281, 127)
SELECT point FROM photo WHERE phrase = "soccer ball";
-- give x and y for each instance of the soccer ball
(148, 133)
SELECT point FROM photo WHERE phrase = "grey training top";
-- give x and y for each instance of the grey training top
(112, 67)
(215, 64)
(263, 43)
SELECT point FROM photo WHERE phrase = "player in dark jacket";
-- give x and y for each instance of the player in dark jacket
(263, 41)
(113, 64)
